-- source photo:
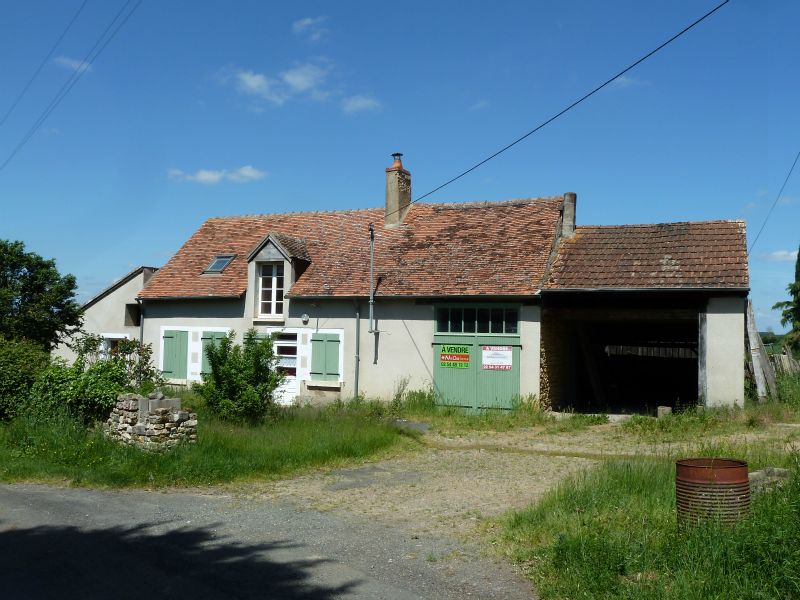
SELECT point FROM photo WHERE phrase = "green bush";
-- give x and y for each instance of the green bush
(88, 392)
(88, 388)
(242, 378)
(21, 362)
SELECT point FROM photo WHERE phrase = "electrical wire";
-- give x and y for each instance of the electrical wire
(774, 203)
(91, 56)
(43, 63)
(570, 107)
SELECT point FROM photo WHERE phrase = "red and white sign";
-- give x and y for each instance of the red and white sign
(497, 358)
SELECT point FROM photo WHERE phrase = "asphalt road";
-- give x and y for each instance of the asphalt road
(69, 543)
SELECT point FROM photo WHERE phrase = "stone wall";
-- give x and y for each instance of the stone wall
(154, 423)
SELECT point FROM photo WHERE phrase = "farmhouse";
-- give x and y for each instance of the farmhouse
(113, 314)
(485, 301)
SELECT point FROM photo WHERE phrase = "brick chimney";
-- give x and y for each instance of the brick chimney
(398, 192)
(568, 215)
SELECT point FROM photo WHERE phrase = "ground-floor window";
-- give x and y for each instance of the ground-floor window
(325, 348)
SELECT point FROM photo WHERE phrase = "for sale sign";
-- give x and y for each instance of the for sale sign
(497, 358)
(454, 357)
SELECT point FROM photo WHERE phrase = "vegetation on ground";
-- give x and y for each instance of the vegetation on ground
(790, 310)
(61, 448)
(88, 388)
(36, 302)
(21, 362)
(612, 533)
(241, 384)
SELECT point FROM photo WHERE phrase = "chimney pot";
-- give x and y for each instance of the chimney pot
(398, 192)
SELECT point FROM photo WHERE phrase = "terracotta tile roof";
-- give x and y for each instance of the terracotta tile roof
(708, 254)
(486, 248)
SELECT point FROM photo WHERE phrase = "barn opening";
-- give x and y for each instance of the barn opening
(620, 352)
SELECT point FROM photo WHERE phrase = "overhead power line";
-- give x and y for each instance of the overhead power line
(90, 57)
(43, 63)
(574, 104)
(775, 202)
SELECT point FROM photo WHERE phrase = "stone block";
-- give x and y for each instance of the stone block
(663, 411)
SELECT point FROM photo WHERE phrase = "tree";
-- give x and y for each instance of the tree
(36, 302)
(790, 314)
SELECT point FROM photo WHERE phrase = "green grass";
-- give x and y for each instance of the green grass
(420, 405)
(575, 422)
(59, 448)
(612, 533)
(696, 422)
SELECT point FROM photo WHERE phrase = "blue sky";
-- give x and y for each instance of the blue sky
(200, 109)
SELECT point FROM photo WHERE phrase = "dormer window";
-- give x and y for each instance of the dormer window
(271, 288)
(219, 263)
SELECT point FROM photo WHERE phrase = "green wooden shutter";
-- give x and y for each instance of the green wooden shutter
(325, 356)
(210, 337)
(176, 348)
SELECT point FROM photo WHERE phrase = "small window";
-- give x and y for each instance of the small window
(271, 288)
(483, 320)
(132, 315)
(512, 320)
(442, 320)
(219, 263)
(285, 345)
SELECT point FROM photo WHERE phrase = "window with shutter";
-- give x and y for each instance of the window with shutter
(176, 348)
(210, 337)
(325, 356)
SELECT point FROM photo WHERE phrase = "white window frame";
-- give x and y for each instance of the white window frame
(106, 337)
(274, 301)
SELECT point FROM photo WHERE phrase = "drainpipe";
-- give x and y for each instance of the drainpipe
(141, 338)
(371, 278)
(358, 346)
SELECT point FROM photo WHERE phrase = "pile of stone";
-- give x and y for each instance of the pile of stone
(154, 423)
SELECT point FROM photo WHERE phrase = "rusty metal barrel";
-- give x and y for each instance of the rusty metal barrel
(711, 489)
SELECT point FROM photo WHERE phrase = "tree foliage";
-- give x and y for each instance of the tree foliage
(88, 388)
(21, 362)
(36, 302)
(790, 314)
(243, 378)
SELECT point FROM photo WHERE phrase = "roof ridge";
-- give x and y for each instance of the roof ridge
(468, 204)
(709, 221)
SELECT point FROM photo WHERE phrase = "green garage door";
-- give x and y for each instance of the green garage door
(476, 356)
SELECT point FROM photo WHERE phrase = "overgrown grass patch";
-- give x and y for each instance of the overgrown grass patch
(420, 405)
(61, 448)
(698, 421)
(612, 533)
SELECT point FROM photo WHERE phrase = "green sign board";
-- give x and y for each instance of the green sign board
(454, 357)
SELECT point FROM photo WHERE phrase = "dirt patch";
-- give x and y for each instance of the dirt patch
(452, 483)
(433, 490)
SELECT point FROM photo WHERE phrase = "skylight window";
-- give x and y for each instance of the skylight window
(219, 263)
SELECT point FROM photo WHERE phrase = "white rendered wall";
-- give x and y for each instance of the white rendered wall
(722, 352)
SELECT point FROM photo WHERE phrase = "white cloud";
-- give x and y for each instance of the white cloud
(303, 80)
(623, 81)
(305, 77)
(781, 256)
(311, 27)
(787, 200)
(751, 206)
(72, 64)
(256, 84)
(243, 174)
(480, 105)
(360, 103)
